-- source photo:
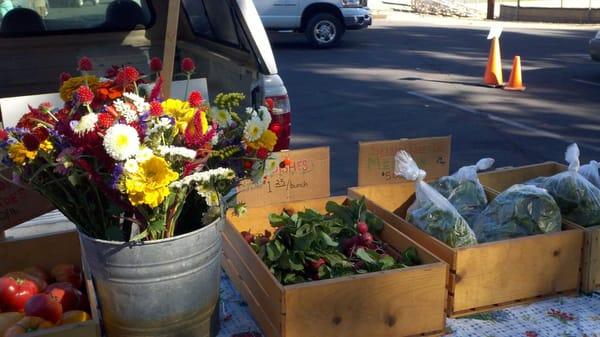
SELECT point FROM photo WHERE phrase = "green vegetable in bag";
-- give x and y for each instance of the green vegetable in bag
(431, 212)
(463, 189)
(519, 211)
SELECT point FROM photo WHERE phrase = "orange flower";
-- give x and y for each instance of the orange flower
(106, 91)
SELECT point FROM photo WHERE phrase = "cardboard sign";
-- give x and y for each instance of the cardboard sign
(376, 159)
(307, 177)
(18, 205)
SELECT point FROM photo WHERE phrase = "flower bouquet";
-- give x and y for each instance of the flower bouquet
(126, 165)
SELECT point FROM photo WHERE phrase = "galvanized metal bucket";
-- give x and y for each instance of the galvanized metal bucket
(167, 288)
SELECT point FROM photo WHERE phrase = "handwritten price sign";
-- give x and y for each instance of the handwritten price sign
(307, 177)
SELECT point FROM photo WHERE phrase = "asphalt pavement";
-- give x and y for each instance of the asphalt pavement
(421, 76)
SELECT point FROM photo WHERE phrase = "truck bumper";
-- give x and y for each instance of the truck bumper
(356, 18)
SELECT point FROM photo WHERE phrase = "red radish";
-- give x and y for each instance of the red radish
(362, 227)
(366, 239)
(318, 263)
(248, 237)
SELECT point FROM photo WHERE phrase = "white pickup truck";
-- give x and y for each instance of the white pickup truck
(323, 21)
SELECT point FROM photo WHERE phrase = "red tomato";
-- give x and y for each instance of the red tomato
(69, 297)
(15, 292)
(68, 273)
(38, 272)
(44, 306)
(41, 284)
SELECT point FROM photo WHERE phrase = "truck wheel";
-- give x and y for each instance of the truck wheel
(324, 30)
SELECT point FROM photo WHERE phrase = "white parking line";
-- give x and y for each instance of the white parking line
(509, 122)
(586, 82)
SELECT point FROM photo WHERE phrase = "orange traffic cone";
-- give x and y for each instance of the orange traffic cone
(515, 82)
(493, 70)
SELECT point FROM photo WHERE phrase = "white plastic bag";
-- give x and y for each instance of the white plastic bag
(578, 198)
(464, 190)
(431, 212)
(590, 172)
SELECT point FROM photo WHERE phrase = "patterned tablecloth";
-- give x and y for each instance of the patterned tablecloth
(577, 316)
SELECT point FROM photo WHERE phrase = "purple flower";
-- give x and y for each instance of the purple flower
(116, 176)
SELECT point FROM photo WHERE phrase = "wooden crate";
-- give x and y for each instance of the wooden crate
(492, 275)
(47, 251)
(502, 179)
(401, 302)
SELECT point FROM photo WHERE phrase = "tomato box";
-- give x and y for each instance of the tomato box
(492, 275)
(400, 302)
(502, 179)
(47, 251)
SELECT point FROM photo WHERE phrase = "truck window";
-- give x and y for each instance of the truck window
(215, 20)
(39, 17)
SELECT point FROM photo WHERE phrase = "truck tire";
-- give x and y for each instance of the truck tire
(324, 30)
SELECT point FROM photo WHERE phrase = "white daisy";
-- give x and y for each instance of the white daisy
(121, 142)
(254, 129)
(143, 155)
(131, 166)
(86, 124)
(221, 116)
(211, 197)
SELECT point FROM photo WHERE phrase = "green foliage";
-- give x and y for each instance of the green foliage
(468, 197)
(308, 245)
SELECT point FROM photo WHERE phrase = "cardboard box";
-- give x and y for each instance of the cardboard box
(502, 179)
(401, 302)
(46, 252)
(488, 276)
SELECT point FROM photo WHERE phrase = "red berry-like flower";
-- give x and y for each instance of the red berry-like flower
(275, 127)
(156, 109)
(105, 120)
(247, 165)
(85, 64)
(85, 95)
(41, 133)
(156, 64)
(64, 76)
(31, 142)
(187, 65)
(262, 153)
(130, 74)
(3, 135)
(195, 99)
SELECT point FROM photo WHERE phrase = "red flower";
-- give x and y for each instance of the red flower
(85, 95)
(189, 168)
(247, 165)
(187, 65)
(105, 120)
(85, 64)
(41, 133)
(262, 153)
(3, 135)
(195, 99)
(155, 64)
(156, 109)
(64, 76)
(31, 142)
(131, 74)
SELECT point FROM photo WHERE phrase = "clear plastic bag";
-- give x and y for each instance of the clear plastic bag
(431, 212)
(464, 190)
(519, 211)
(578, 198)
(590, 172)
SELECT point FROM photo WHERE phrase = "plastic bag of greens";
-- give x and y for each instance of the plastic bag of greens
(590, 172)
(578, 199)
(519, 211)
(431, 212)
(537, 182)
(464, 190)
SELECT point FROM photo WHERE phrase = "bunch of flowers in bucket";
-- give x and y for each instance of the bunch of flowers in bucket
(122, 163)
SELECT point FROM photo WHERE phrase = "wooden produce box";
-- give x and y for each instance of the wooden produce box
(502, 179)
(400, 302)
(47, 251)
(492, 275)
